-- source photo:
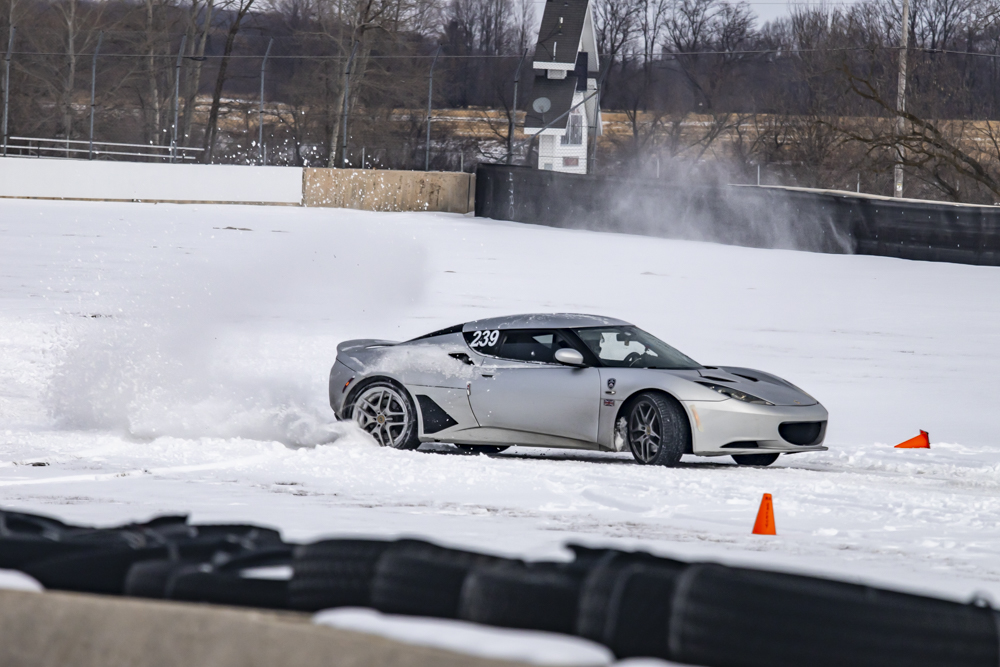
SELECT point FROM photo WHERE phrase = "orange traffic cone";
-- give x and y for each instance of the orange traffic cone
(922, 441)
(765, 517)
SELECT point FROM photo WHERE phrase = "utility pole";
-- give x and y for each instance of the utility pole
(592, 162)
(260, 113)
(513, 110)
(904, 39)
(93, 89)
(6, 86)
(430, 92)
(177, 96)
(347, 95)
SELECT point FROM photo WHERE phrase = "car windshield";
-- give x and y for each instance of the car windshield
(631, 347)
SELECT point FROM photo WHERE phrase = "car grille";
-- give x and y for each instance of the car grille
(802, 433)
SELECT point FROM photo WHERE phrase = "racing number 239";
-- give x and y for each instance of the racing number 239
(485, 338)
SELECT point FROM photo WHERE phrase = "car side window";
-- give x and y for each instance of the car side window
(531, 345)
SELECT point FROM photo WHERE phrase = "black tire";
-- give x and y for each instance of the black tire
(99, 571)
(658, 429)
(599, 592)
(224, 584)
(755, 459)
(376, 420)
(19, 552)
(190, 545)
(149, 578)
(334, 573)
(638, 620)
(483, 449)
(422, 579)
(749, 618)
(539, 596)
(27, 539)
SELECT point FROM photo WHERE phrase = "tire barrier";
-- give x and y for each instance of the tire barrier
(765, 217)
(334, 573)
(418, 578)
(748, 618)
(635, 603)
(229, 580)
(539, 596)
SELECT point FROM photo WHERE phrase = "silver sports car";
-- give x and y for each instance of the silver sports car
(578, 381)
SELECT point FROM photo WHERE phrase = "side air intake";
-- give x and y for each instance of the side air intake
(435, 418)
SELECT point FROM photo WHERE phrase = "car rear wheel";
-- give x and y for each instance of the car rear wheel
(658, 430)
(755, 459)
(386, 412)
(483, 449)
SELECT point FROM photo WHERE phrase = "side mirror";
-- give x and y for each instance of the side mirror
(569, 356)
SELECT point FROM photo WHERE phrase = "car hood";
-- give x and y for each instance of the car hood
(763, 385)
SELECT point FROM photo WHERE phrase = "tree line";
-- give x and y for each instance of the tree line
(696, 86)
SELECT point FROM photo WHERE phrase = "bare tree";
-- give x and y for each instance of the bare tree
(240, 9)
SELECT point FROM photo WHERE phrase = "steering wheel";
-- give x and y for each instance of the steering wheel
(632, 358)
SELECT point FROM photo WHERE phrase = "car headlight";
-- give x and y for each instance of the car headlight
(730, 392)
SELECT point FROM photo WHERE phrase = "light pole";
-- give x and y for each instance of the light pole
(93, 89)
(177, 97)
(260, 113)
(904, 39)
(6, 85)
(513, 110)
(430, 92)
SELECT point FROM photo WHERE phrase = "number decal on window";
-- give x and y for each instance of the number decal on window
(485, 338)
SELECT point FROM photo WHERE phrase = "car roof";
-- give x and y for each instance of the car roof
(544, 321)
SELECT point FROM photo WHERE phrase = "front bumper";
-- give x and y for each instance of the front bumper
(719, 428)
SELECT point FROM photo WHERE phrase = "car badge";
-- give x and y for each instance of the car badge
(611, 383)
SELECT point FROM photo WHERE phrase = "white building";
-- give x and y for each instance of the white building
(564, 108)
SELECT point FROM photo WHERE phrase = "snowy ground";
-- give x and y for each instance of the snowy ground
(156, 360)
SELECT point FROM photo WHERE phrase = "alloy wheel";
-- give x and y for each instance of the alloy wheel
(384, 413)
(645, 431)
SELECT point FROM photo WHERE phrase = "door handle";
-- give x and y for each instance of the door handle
(487, 374)
(463, 357)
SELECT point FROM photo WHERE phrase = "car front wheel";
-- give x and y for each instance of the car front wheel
(658, 430)
(386, 412)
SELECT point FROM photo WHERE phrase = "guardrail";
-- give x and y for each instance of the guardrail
(38, 146)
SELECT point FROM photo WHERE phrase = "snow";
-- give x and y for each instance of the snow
(148, 181)
(154, 361)
(531, 646)
(12, 580)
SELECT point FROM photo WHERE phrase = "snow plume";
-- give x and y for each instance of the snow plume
(236, 352)
(698, 202)
(692, 201)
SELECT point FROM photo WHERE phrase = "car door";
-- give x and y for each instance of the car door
(521, 388)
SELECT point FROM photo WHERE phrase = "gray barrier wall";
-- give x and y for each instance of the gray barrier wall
(822, 221)
(56, 629)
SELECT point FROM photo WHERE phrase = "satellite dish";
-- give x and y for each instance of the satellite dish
(541, 105)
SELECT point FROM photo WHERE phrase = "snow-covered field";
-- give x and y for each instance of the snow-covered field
(155, 359)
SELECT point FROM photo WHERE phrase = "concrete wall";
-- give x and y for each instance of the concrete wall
(365, 189)
(146, 181)
(73, 630)
(384, 190)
